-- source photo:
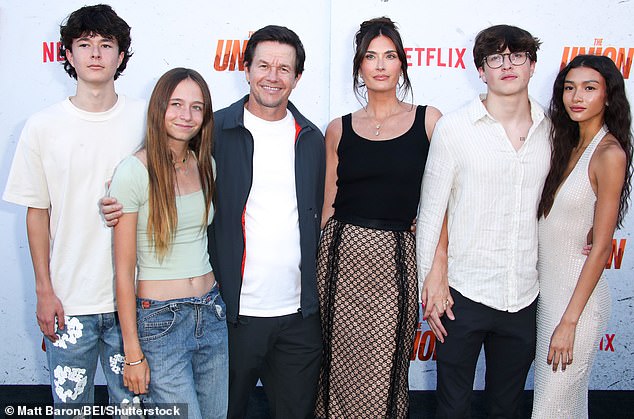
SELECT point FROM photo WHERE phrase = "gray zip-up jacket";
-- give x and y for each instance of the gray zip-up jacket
(233, 152)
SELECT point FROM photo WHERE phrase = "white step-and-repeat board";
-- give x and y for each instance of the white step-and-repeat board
(209, 36)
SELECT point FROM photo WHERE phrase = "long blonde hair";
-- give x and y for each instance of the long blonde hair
(163, 217)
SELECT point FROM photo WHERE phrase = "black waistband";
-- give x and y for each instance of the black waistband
(389, 225)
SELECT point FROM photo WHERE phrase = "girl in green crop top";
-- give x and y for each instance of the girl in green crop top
(172, 316)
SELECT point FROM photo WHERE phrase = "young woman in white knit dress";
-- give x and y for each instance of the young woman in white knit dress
(587, 189)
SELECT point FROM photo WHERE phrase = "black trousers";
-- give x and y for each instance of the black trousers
(509, 347)
(285, 354)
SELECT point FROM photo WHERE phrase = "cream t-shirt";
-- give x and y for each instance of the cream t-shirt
(63, 161)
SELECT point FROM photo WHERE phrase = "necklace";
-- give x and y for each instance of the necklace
(182, 162)
(377, 123)
(378, 130)
(184, 158)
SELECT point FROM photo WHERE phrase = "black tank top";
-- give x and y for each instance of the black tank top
(380, 180)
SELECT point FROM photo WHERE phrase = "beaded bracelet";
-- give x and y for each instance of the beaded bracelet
(135, 362)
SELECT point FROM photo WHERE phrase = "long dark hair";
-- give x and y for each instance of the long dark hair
(369, 30)
(564, 132)
(163, 217)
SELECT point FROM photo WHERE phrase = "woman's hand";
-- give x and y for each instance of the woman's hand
(437, 301)
(137, 377)
(561, 345)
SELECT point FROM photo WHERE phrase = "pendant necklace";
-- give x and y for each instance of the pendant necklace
(378, 130)
(377, 124)
(182, 162)
(377, 127)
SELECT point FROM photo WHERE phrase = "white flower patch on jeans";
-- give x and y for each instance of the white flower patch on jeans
(72, 332)
(116, 363)
(73, 375)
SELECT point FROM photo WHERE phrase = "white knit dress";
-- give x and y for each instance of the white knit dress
(562, 236)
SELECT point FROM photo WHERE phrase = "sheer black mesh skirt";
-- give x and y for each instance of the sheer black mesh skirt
(369, 310)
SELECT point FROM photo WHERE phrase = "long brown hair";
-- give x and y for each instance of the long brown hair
(163, 217)
(564, 132)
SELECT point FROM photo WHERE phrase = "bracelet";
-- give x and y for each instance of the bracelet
(135, 362)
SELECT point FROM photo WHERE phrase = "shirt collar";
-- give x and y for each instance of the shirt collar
(477, 110)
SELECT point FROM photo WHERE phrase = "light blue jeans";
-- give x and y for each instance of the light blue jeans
(185, 343)
(72, 359)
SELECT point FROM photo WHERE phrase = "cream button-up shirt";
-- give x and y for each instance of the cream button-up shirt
(490, 192)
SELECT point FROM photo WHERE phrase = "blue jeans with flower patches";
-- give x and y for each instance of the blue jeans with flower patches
(72, 359)
(185, 343)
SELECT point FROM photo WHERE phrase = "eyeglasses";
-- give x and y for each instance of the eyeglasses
(497, 60)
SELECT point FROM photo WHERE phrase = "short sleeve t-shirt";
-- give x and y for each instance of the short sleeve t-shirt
(63, 161)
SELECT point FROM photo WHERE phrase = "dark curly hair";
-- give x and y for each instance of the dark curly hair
(280, 34)
(369, 30)
(497, 38)
(564, 132)
(95, 20)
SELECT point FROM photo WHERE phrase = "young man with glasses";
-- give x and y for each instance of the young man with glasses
(486, 168)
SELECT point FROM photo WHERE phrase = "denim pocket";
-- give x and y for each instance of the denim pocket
(153, 324)
(220, 310)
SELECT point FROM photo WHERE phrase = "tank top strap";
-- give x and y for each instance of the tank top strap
(419, 109)
(587, 155)
(418, 128)
(346, 127)
(597, 138)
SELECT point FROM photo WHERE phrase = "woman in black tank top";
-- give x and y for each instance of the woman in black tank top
(375, 158)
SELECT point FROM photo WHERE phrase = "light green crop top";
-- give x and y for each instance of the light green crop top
(187, 255)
